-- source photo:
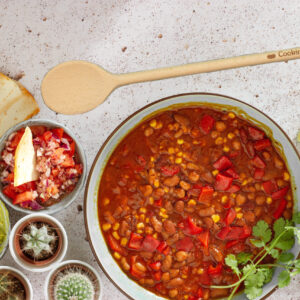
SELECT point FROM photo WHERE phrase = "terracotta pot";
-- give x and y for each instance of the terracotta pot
(22, 278)
(25, 261)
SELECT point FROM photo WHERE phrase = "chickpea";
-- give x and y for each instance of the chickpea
(173, 293)
(236, 145)
(181, 256)
(260, 200)
(240, 199)
(172, 181)
(220, 126)
(167, 263)
(176, 282)
(148, 131)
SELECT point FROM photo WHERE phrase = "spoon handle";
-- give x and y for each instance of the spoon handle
(210, 66)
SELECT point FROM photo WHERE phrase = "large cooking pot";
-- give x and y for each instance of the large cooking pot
(96, 239)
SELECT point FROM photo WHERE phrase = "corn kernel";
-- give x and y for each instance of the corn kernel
(178, 160)
(166, 189)
(231, 115)
(183, 276)
(171, 158)
(286, 176)
(171, 150)
(155, 235)
(151, 200)
(288, 198)
(186, 297)
(124, 242)
(140, 225)
(225, 140)
(117, 255)
(237, 209)
(147, 220)
(192, 202)
(200, 271)
(106, 201)
(116, 235)
(152, 159)
(245, 182)
(163, 215)
(106, 226)
(239, 215)
(179, 154)
(195, 142)
(143, 210)
(163, 209)
(116, 226)
(153, 123)
(215, 218)
(269, 200)
(233, 195)
(142, 217)
(219, 141)
(242, 176)
(156, 183)
(139, 231)
(215, 172)
(226, 149)
(215, 194)
(224, 199)
(230, 135)
(159, 125)
(180, 141)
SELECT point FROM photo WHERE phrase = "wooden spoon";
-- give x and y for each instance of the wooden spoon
(75, 87)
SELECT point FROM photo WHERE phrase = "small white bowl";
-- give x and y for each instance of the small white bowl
(70, 262)
(27, 265)
(24, 280)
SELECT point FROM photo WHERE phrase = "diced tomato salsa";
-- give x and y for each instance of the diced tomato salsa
(182, 191)
(57, 164)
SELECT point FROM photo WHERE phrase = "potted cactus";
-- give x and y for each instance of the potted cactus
(14, 285)
(37, 242)
(4, 228)
(73, 280)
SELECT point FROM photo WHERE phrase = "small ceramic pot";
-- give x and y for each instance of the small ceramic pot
(28, 262)
(5, 227)
(71, 268)
(66, 199)
(22, 278)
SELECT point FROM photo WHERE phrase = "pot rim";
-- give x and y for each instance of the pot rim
(72, 262)
(125, 121)
(48, 263)
(23, 278)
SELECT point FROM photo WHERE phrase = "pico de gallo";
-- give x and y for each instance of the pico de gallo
(182, 191)
(56, 162)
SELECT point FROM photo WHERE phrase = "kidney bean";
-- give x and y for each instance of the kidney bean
(206, 212)
(123, 228)
(165, 277)
(172, 181)
(179, 206)
(148, 131)
(146, 254)
(108, 217)
(178, 134)
(192, 166)
(169, 227)
(180, 193)
(260, 200)
(186, 186)
(157, 225)
(208, 222)
(182, 120)
(240, 199)
(249, 216)
(146, 190)
(216, 293)
(216, 254)
(169, 207)
(140, 267)
(175, 282)
(181, 256)
(173, 293)
(194, 176)
(167, 263)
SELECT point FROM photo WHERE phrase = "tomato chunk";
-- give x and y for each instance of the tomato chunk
(223, 232)
(222, 182)
(170, 170)
(9, 191)
(155, 265)
(255, 133)
(258, 173)
(203, 237)
(150, 243)
(114, 245)
(231, 173)
(185, 244)
(280, 194)
(190, 227)
(258, 162)
(22, 197)
(243, 135)
(215, 270)
(47, 136)
(231, 244)
(280, 209)
(135, 241)
(207, 123)
(222, 163)
(262, 144)
(16, 139)
(233, 188)
(206, 194)
(269, 186)
(58, 132)
(230, 216)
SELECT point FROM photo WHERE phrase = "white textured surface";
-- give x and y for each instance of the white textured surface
(36, 35)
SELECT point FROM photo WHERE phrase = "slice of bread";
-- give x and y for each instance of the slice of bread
(16, 103)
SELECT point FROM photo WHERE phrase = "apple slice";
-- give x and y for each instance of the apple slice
(25, 160)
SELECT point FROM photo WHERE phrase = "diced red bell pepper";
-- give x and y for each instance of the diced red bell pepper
(230, 216)
(58, 132)
(206, 194)
(231, 244)
(170, 170)
(258, 162)
(247, 232)
(215, 270)
(280, 194)
(68, 162)
(162, 246)
(234, 154)
(157, 275)
(155, 265)
(238, 233)
(203, 237)
(222, 163)
(197, 186)
(222, 182)
(150, 244)
(114, 244)
(258, 173)
(25, 196)
(134, 271)
(72, 148)
(37, 130)
(231, 173)
(222, 234)
(255, 133)
(262, 144)
(9, 191)
(243, 135)
(280, 209)
(16, 139)
(190, 227)
(233, 189)
(28, 186)
(135, 241)
(200, 292)
(47, 136)
(270, 186)
(207, 123)
(9, 178)
(158, 202)
(185, 244)
(250, 149)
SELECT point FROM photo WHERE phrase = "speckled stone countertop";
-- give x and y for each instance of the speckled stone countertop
(132, 35)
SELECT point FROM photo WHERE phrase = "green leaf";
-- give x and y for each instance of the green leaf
(284, 278)
(254, 283)
(231, 262)
(296, 231)
(286, 242)
(246, 269)
(279, 227)
(257, 243)
(296, 217)
(243, 257)
(286, 257)
(268, 273)
(274, 253)
(252, 292)
(262, 230)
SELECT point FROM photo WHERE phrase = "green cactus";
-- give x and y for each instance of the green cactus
(37, 242)
(74, 285)
(10, 287)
